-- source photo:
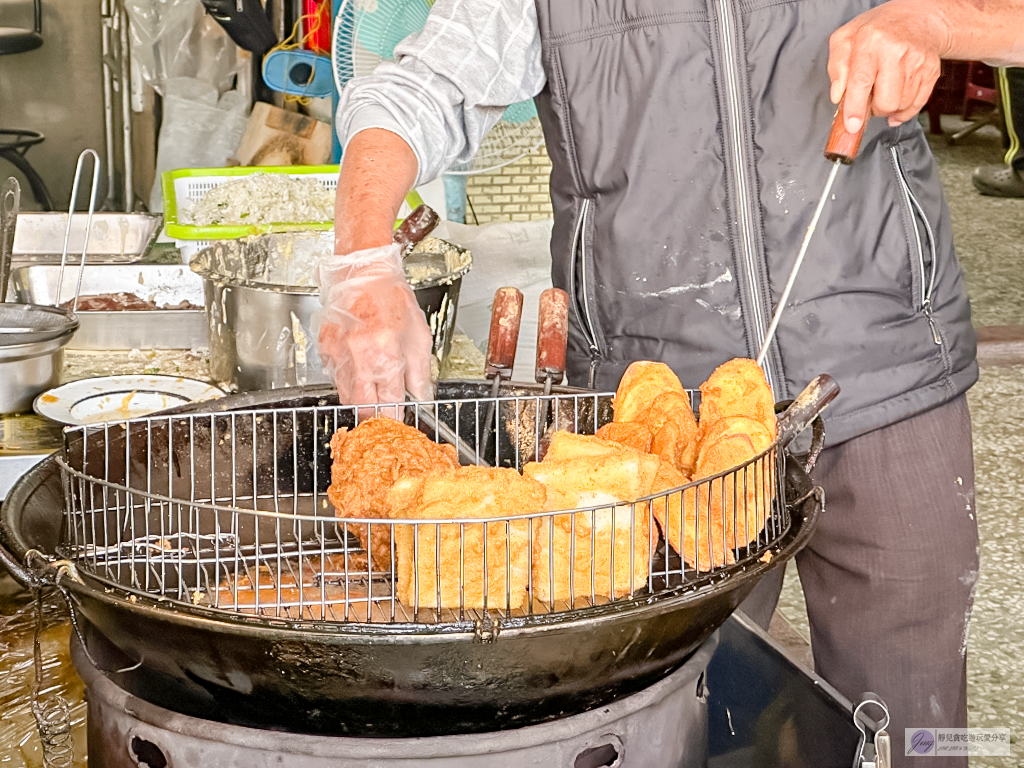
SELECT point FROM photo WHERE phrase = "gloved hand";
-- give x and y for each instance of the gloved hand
(374, 340)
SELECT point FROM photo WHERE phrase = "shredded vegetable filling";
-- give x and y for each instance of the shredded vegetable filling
(262, 198)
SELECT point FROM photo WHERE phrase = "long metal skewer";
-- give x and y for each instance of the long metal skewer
(840, 149)
(796, 265)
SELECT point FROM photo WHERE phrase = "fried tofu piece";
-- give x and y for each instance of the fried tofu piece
(737, 388)
(673, 427)
(366, 462)
(443, 565)
(632, 434)
(600, 552)
(642, 382)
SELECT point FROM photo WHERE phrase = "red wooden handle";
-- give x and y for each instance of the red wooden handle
(843, 145)
(552, 335)
(504, 334)
(415, 227)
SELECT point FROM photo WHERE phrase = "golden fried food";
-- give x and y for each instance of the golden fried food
(366, 462)
(671, 422)
(599, 552)
(568, 445)
(737, 388)
(759, 434)
(642, 382)
(723, 514)
(696, 535)
(443, 565)
(741, 499)
(632, 434)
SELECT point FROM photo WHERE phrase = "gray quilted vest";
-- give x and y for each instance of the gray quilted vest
(686, 139)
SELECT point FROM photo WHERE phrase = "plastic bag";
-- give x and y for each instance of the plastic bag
(176, 38)
(199, 129)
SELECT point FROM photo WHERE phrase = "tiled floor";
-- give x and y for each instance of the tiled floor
(989, 233)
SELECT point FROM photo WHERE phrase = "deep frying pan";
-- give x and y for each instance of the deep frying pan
(386, 680)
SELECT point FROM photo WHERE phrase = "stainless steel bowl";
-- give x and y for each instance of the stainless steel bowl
(32, 340)
(261, 297)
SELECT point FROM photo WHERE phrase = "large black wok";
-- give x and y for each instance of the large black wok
(387, 680)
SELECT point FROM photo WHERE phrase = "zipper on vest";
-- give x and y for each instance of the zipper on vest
(741, 179)
(927, 276)
(583, 313)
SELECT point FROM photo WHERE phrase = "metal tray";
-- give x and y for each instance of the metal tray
(115, 237)
(155, 329)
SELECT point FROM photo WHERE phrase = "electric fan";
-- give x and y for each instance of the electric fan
(366, 33)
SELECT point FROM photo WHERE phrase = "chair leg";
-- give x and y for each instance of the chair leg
(35, 181)
(992, 118)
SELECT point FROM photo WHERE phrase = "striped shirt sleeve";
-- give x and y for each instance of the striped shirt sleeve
(449, 83)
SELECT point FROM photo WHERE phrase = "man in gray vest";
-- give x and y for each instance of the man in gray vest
(686, 142)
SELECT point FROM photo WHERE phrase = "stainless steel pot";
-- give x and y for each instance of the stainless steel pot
(32, 340)
(261, 299)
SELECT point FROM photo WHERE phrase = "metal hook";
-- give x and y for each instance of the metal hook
(862, 721)
(88, 222)
(866, 754)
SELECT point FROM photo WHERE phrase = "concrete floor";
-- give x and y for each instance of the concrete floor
(989, 235)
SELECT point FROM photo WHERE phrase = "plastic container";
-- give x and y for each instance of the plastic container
(187, 185)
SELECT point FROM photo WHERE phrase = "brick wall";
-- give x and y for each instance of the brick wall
(517, 192)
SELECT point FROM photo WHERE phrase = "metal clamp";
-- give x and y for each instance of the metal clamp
(876, 751)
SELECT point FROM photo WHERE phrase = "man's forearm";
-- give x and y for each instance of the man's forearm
(377, 172)
(983, 30)
(886, 60)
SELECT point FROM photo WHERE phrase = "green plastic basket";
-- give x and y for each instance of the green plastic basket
(190, 184)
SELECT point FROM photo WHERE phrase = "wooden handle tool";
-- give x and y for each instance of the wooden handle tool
(843, 146)
(552, 337)
(506, 315)
(415, 227)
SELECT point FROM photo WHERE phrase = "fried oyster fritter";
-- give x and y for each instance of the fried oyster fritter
(737, 388)
(631, 434)
(642, 382)
(366, 463)
(671, 421)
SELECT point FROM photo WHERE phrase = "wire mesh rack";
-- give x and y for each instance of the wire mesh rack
(229, 512)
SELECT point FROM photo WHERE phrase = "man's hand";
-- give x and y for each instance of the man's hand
(374, 341)
(886, 61)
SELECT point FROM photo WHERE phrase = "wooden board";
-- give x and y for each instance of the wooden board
(277, 137)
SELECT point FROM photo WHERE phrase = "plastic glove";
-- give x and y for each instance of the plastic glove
(374, 339)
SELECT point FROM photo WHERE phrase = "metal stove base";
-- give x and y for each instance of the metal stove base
(663, 726)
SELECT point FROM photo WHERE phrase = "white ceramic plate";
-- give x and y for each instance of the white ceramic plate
(119, 398)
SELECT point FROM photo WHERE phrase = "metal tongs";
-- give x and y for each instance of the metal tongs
(416, 226)
(10, 203)
(88, 224)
